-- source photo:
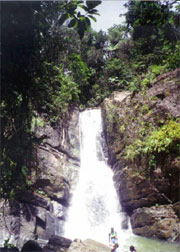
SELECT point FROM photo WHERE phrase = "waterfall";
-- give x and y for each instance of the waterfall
(95, 207)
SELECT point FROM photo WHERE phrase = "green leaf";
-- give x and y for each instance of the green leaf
(94, 11)
(93, 18)
(83, 7)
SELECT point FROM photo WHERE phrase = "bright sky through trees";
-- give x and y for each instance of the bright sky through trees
(109, 11)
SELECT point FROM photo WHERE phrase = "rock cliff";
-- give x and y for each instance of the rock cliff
(143, 138)
(41, 212)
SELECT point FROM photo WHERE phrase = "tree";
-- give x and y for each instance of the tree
(93, 49)
(152, 24)
(116, 34)
(30, 54)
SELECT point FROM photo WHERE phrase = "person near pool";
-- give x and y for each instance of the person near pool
(113, 236)
(132, 249)
(115, 247)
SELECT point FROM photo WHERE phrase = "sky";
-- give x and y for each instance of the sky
(109, 11)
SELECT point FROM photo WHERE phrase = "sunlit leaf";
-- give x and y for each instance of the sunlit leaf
(83, 7)
(94, 11)
(93, 18)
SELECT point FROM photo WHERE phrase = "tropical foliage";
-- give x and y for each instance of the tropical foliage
(33, 78)
(52, 60)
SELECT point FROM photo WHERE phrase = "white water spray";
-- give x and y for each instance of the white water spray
(95, 207)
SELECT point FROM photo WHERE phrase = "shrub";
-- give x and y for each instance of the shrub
(163, 139)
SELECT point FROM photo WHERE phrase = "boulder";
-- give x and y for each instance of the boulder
(88, 246)
(57, 244)
(156, 222)
(30, 246)
(136, 191)
(176, 208)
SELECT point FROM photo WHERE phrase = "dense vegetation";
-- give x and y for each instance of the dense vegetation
(52, 60)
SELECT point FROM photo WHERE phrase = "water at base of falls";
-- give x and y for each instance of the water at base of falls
(95, 207)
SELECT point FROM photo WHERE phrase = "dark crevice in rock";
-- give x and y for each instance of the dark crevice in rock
(56, 151)
(160, 96)
(31, 246)
(41, 223)
(31, 198)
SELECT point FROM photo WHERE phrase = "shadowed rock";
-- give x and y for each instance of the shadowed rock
(31, 246)
(57, 244)
(9, 250)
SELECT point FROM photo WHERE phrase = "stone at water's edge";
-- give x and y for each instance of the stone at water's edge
(156, 222)
(88, 246)
(57, 244)
(126, 118)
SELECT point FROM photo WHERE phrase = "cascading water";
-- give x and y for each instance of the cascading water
(95, 207)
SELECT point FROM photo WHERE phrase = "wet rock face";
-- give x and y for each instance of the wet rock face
(158, 222)
(135, 190)
(124, 224)
(58, 156)
(41, 213)
(129, 117)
